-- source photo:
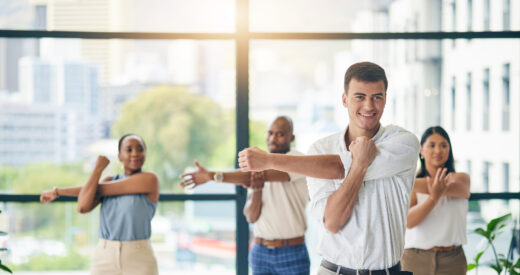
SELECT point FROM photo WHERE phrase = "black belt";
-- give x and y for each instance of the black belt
(348, 271)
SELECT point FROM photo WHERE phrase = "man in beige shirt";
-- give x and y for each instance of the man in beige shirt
(275, 203)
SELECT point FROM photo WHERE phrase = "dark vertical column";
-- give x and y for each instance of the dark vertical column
(242, 126)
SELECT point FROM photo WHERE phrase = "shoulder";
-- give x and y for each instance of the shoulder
(325, 145)
(400, 135)
(295, 153)
(461, 175)
(147, 176)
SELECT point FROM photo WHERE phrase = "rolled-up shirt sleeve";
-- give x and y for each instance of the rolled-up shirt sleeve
(396, 154)
(319, 191)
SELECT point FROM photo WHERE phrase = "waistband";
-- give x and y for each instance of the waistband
(444, 248)
(121, 244)
(349, 271)
(280, 243)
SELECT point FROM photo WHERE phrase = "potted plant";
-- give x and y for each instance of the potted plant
(501, 262)
(3, 267)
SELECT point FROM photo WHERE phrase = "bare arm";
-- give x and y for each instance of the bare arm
(317, 166)
(341, 203)
(459, 187)
(87, 195)
(253, 206)
(142, 183)
(50, 195)
(436, 189)
(202, 175)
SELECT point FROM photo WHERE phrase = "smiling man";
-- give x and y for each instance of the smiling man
(359, 180)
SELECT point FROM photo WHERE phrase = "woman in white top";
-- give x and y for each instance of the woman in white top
(436, 222)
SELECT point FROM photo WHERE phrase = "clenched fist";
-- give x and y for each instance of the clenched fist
(363, 151)
(253, 159)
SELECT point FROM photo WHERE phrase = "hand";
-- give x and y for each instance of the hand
(439, 185)
(196, 178)
(363, 151)
(102, 162)
(257, 180)
(253, 159)
(49, 195)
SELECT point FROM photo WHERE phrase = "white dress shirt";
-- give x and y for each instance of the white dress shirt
(373, 237)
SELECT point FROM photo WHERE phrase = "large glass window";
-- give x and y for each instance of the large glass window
(469, 102)
(485, 100)
(506, 97)
(207, 16)
(65, 100)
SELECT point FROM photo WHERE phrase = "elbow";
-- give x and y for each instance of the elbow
(467, 195)
(82, 209)
(251, 219)
(409, 225)
(332, 227)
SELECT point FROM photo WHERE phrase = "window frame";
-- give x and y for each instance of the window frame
(243, 37)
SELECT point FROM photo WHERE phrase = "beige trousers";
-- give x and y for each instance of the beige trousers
(426, 262)
(123, 258)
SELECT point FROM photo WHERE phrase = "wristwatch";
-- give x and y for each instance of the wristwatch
(219, 177)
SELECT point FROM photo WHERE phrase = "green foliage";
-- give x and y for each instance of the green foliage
(72, 261)
(2, 266)
(224, 155)
(490, 232)
(177, 127)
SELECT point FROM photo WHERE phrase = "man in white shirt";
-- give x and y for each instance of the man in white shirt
(275, 203)
(359, 180)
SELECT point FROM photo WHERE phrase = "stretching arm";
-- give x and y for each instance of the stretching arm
(316, 166)
(202, 175)
(459, 187)
(87, 195)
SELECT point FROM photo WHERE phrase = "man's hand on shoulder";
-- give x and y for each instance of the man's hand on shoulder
(363, 151)
(253, 159)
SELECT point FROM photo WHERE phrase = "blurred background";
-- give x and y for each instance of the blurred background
(63, 101)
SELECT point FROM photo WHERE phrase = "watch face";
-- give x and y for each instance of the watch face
(219, 177)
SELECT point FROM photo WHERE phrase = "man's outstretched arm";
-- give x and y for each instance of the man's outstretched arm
(202, 175)
(316, 166)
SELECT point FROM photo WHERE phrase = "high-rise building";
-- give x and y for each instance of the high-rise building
(480, 100)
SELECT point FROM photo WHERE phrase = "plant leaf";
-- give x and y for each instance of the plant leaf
(2, 233)
(482, 232)
(471, 266)
(3, 249)
(477, 258)
(498, 223)
(5, 268)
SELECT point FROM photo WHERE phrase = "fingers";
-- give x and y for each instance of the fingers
(183, 175)
(196, 162)
(187, 183)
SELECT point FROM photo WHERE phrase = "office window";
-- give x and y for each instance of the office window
(506, 97)
(470, 15)
(468, 167)
(485, 175)
(506, 15)
(485, 100)
(453, 6)
(505, 170)
(487, 11)
(468, 102)
(453, 102)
